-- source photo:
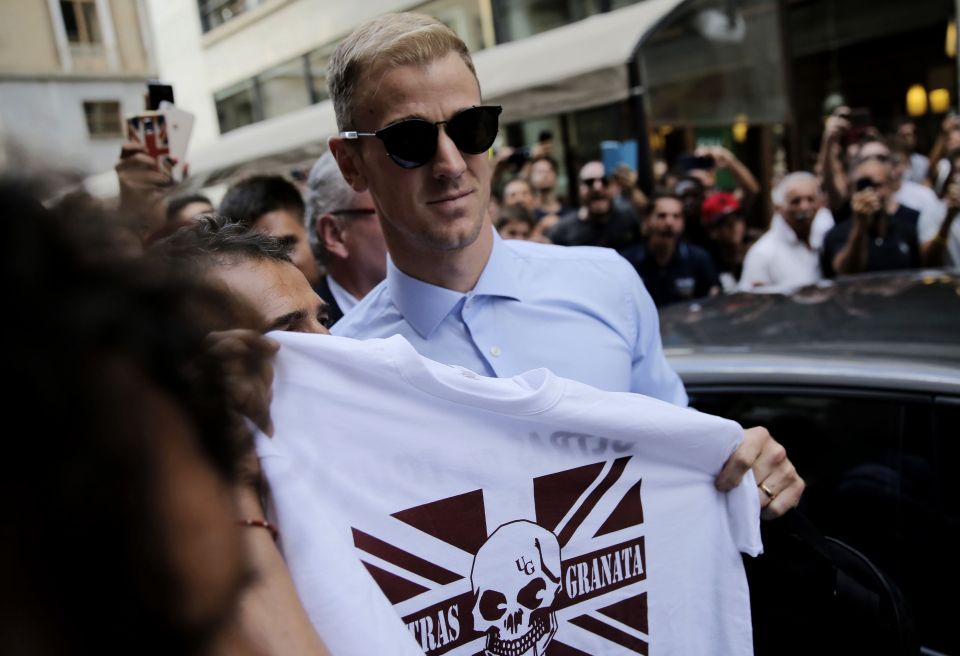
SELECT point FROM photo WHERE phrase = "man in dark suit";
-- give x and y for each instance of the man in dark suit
(345, 233)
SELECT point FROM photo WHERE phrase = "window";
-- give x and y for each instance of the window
(520, 19)
(238, 106)
(317, 60)
(284, 88)
(463, 17)
(705, 67)
(80, 21)
(217, 12)
(103, 119)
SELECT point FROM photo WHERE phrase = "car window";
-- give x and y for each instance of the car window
(879, 476)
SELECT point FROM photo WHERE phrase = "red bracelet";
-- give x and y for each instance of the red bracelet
(261, 523)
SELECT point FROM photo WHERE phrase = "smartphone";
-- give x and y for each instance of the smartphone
(179, 127)
(158, 92)
(691, 162)
(149, 130)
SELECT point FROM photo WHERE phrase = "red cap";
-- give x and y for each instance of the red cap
(717, 206)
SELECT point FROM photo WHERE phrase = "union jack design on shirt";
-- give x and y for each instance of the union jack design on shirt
(569, 577)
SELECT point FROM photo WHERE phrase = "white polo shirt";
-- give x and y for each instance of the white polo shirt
(933, 211)
(780, 261)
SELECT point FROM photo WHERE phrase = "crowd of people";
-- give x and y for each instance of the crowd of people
(151, 319)
(872, 204)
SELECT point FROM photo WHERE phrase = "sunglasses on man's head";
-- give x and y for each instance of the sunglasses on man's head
(413, 142)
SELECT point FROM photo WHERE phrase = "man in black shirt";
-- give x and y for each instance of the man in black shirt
(672, 269)
(599, 222)
(878, 235)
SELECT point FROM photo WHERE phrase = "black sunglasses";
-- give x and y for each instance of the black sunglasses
(413, 142)
(592, 181)
(356, 211)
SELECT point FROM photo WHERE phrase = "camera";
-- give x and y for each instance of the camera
(701, 162)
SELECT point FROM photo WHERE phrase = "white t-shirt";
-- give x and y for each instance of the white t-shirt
(922, 199)
(501, 514)
(932, 216)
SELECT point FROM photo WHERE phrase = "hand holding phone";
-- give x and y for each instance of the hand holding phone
(149, 131)
(179, 127)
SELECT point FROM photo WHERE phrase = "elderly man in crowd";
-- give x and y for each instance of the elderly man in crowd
(345, 233)
(787, 255)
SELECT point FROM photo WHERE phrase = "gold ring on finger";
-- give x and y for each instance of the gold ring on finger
(770, 493)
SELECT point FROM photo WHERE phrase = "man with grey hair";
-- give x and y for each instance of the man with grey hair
(786, 256)
(345, 233)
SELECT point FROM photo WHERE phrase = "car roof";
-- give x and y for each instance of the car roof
(903, 327)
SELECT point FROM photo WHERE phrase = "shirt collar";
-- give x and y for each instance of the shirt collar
(345, 300)
(502, 275)
(425, 306)
(784, 231)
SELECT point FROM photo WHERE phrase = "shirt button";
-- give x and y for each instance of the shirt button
(469, 303)
(495, 351)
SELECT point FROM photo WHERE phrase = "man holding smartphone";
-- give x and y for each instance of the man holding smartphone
(151, 159)
(872, 238)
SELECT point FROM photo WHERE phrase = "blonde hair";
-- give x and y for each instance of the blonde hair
(389, 40)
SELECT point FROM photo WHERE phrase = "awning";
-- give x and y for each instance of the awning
(566, 69)
(569, 68)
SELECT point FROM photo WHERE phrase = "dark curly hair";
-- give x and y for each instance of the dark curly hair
(91, 345)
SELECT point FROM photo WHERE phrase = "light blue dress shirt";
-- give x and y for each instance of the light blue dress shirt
(581, 312)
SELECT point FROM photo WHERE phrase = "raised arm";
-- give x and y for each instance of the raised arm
(778, 484)
(829, 164)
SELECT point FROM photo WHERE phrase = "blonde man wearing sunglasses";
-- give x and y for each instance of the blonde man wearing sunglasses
(414, 132)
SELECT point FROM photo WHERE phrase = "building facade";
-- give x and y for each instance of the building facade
(70, 70)
(666, 75)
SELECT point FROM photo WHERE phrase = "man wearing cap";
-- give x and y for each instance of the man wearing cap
(600, 221)
(725, 227)
(672, 269)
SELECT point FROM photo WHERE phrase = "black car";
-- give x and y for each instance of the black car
(860, 379)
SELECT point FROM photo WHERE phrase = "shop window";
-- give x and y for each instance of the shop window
(80, 21)
(103, 119)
